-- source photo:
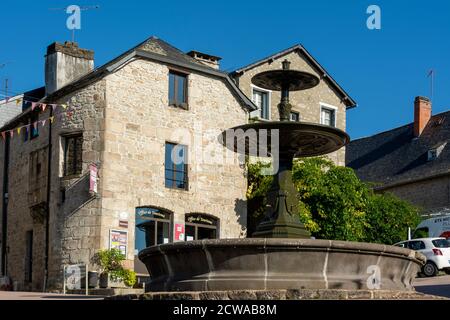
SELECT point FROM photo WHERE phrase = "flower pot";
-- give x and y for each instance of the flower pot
(106, 281)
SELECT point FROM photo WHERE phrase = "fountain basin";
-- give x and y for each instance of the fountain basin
(273, 264)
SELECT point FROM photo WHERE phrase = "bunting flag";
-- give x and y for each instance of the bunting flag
(34, 104)
(35, 125)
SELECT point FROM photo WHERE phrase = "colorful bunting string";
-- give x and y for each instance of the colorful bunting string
(42, 122)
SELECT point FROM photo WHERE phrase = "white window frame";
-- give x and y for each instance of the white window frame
(257, 113)
(329, 107)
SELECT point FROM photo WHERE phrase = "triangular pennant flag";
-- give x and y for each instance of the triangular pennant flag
(35, 125)
(4, 135)
(7, 99)
(33, 106)
(54, 106)
(52, 119)
(43, 122)
(64, 106)
(43, 106)
(18, 101)
(19, 129)
(11, 133)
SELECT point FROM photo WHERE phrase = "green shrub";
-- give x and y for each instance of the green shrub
(335, 205)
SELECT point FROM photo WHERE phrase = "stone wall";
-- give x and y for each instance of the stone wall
(72, 233)
(306, 103)
(429, 195)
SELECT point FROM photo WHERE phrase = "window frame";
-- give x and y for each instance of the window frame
(176, 104)
(269, 102)
(328, 107)
(196, 226)
(174, 170)
(157, 220)
(66, 138)
(297, 114)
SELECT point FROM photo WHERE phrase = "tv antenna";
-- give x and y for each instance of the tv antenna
(74, 19)
(431, 75)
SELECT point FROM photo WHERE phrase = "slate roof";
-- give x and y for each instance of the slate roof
(349, 102)
(396, 156)
(153, 49)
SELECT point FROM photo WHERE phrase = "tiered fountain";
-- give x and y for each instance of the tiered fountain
(281, 254)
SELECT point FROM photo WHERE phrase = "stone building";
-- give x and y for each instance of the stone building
(325, 104)
(127, 155)
(411, 161)
(125, 118)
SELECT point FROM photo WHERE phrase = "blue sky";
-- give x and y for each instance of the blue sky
(383, 70)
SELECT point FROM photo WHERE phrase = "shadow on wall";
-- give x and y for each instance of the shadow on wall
(77, 195)
(248, 224)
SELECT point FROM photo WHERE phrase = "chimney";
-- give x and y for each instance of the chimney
(65, 63)
(206, 59)
(422, 114)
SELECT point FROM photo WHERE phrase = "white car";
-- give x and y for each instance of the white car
(436, 250)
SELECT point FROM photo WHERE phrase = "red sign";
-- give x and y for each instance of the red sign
(179, 232)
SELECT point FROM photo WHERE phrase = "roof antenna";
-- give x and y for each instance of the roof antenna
(74, 20)
(431, 76)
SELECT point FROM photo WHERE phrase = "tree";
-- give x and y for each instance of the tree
(336, 205)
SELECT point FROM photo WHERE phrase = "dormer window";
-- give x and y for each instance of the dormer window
(435, 152)
(432, 155)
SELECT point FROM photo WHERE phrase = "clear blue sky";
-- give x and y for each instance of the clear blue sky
(383, 70)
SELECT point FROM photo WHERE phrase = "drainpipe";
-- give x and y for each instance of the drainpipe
(4, 266)
(47, 218)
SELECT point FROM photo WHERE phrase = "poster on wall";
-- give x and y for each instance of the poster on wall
(179, 232)
(119, 240)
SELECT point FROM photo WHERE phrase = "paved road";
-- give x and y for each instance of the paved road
(42, 296)
(438, 286)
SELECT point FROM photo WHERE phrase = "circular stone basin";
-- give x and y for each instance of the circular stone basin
(271, 264)
(297, 139)
(294, 80)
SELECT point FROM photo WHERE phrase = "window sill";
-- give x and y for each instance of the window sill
(181, 190)
(182, 106)
(72, 177)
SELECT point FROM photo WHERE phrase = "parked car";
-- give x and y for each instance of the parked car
(436, 250)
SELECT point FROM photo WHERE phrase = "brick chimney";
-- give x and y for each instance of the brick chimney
(422, 114)
(206, 59)
(65, 63)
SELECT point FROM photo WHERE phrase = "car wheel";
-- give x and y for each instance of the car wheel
(430, 269)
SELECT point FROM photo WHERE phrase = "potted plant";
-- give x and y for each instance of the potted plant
(113, 274)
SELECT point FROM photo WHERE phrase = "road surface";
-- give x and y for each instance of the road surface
(438, 286)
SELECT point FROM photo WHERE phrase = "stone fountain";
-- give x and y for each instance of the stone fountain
(281, 254)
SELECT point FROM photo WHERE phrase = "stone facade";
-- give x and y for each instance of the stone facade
(124, 119)
(307, 103)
